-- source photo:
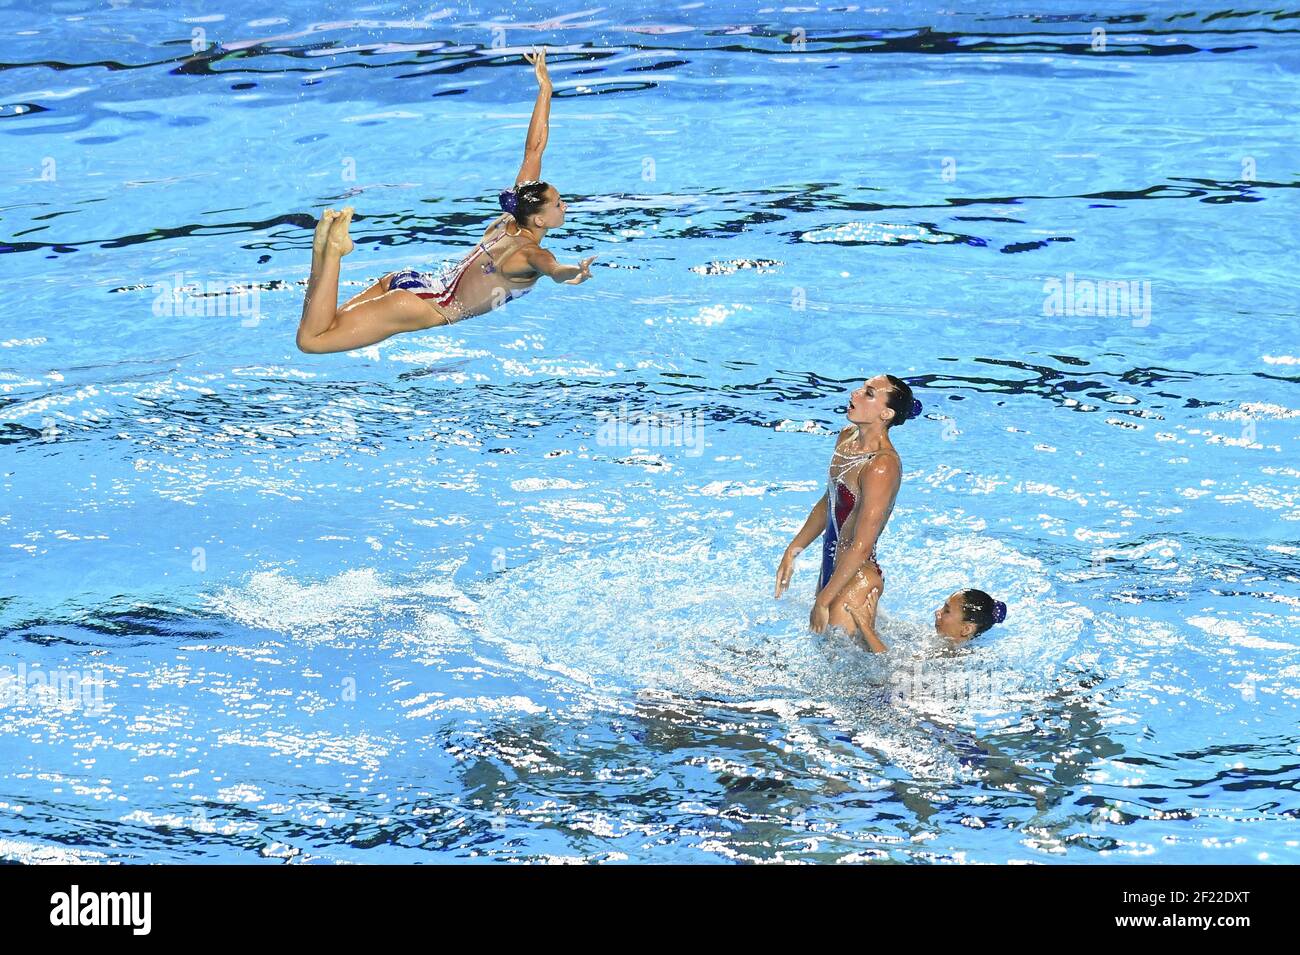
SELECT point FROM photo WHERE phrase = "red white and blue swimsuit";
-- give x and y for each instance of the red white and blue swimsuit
(840, 501)
(441, 288)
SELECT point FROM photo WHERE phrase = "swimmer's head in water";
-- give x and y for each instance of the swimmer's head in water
(968, 613)
(534, 204)
(884, 398)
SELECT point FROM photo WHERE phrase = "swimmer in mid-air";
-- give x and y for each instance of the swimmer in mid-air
(964, 615)
(865, 473)
(505, 264)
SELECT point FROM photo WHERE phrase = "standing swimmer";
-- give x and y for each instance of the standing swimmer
(865, 473)
(504, 265)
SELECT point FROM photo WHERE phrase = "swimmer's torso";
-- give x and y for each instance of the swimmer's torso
(492, 272)
(845, 469)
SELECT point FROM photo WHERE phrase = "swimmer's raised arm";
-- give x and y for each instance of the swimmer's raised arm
(813, 527)
(865, 618)
(546, 263)
(540, 125)
(877, 486)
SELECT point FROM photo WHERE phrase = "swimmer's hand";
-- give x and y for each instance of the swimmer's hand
(538, 60)
(820, 618)
(865, 617)
(785, 570)
(584, 272)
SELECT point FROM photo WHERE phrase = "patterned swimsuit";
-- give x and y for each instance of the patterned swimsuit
(840, 501)
(441, 288)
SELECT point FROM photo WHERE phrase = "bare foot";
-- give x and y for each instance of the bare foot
(338, 239)
(322, 231)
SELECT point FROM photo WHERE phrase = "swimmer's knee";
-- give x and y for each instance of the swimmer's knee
(315, 344)
(315, 348)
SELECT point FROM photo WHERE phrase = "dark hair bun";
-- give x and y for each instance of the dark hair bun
(900, 401)
(982, 610)
(525, 200)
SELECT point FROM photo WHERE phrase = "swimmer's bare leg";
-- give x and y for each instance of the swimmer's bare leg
(319, 236)
(319, 242)
(376, 290)
(368, 319)
(373, 321)
(329, 245)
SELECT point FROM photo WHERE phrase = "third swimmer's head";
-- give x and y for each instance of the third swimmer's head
(883, 398)
(534, 205)
(968, 613)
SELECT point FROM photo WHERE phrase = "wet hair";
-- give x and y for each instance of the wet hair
(524, 200)
(900, 400)
(979, 608)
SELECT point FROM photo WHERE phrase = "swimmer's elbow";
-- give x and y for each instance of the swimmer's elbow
(862, 548)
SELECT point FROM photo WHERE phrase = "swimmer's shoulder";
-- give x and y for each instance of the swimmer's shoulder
(886, 463)
(519, 255)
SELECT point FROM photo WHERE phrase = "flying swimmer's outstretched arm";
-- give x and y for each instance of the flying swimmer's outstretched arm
(538, 131)
(539, 126)
(544, 262)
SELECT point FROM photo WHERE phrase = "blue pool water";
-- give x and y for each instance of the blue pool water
(426, 602)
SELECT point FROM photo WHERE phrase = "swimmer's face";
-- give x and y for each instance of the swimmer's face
(950, 620)
(552, 213)
(868, 403)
